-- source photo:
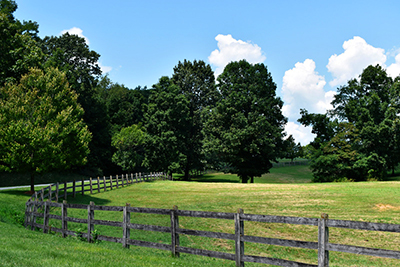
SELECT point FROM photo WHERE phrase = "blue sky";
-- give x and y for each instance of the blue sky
(310, 47)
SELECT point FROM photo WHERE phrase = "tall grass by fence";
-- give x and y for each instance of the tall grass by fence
(39, 213)
(93, 185)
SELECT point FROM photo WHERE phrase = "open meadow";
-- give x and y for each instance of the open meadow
(278, 193)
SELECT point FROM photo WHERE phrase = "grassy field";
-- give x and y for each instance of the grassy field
(285, 191)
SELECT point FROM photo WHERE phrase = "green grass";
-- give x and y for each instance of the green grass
(272, 194)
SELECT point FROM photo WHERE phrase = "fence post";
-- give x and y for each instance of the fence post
(65, 190)
(73, 189)
(323, 239)
(46, 217)
(116, 177)
(140, 176)
(111, 182)
(64, 223)
(136, 177)
(90, 221)
(91, 186)
(57, 188)
(98, 184)
(239, 244)
(83, 186)
(33, 219)
(122, 177)
(50, 192)
(126, 230)
(174, 234)
(105, 184)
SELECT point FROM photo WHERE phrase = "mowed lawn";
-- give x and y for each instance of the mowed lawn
(369, 201)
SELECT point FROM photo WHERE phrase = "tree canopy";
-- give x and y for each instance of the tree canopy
(246, 127)
(41, 126)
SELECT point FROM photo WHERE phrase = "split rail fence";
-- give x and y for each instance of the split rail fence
(55, 192)
(41, 209)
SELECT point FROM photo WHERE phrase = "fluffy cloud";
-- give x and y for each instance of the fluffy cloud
(300, 133)
(230, 49)
(357, 56)
(76, 31)
(394, 69)
(303, 87)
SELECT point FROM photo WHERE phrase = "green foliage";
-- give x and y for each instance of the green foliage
(166, 122)
(245, 128)
(359, 138)
(129, 143)
(292, 150)
(41, 127)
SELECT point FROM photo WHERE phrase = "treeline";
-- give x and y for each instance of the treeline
(359, 139)
(57, 112)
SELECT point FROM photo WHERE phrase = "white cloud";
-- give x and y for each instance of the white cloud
(303, 87)
(76, 31)
(357, 55)
(300, 133)
(231, 49)
(104, 69)
(394, 69)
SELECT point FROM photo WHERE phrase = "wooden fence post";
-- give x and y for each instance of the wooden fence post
(64, 223)
(174, 234)
(50, 192)
(122, 178)
(116, 177)
(239, 244)
(57, 188)
(73, 189)
(140, 177)
(98, 184)
(83, 186)
(105, 184)
(33, 220)
(136, 177)
(126, 230)
(90, 221)
(91, 186)
(111, 182)
(46, 216)
(323, 239)
(65, 190)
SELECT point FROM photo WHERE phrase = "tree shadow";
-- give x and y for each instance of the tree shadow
(210, 178)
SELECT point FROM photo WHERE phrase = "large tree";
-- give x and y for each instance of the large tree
(167, 121)
(71, 54)
(196, 82)
(359, 137)
(18, 49)
(41, 126)
(246, 126)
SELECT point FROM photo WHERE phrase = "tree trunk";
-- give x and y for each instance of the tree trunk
(252, 180)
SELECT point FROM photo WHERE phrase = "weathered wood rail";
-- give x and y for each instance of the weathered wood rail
(55, 192)
(322, 246)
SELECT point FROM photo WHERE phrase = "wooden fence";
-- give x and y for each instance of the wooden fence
(41, 209)
(63, 190)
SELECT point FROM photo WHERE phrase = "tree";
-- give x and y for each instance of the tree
(129, 142)
(18, 50)
(196, 82)
(246, 127)
(292, 150)
(71, 54)
(167, 121)
(358, 139)
(41, 126)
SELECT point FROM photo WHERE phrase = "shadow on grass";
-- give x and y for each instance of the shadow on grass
(211, 178)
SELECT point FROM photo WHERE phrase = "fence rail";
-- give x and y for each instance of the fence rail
(60, 191)
(41, 209)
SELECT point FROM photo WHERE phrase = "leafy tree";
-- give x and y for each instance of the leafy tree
(129, 142)
(41, 127)
(196, 82)
(167, 121)
(246, 126)
(18, 50)
(292, 150)
(71, 54)
(358, 139)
